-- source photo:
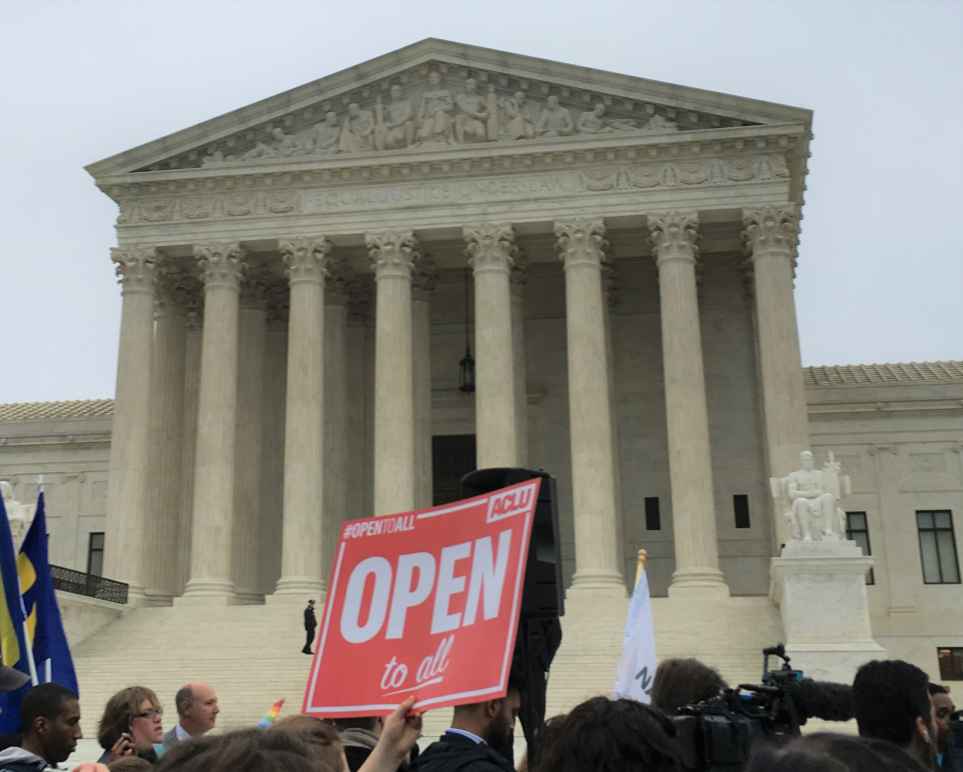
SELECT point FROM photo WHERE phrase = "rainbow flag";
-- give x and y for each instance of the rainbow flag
(272, 715)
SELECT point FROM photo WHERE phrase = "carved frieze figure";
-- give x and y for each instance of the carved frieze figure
(357, 132)
(395, 127)
(555, 120)
(813, 497)
(471, 122)
(279, 145)
(595, 121)
(518, 122)
(660, 123)
(434, 115)
(324, 136)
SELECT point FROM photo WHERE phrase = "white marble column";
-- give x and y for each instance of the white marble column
(221, 265)
(360, 402)
(519, 278)
(336, 387)
(770, 235)
(247, 449)
(491, 253)
(422, 287)
(393, 255)
(127, 485)
(674, 243)
(610, 294)
(167, 418)
(581, 247)
(192, 387)
(270, 518)
(302, 542)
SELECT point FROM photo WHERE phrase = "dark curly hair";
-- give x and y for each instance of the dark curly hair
(681, 682)
(607, 735)
(827, 752)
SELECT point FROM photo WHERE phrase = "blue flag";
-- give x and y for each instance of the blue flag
(51, 653)
(14, 651)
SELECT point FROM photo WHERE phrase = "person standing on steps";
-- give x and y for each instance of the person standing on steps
(310, 625)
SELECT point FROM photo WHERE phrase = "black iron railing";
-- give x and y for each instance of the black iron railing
(99, 587)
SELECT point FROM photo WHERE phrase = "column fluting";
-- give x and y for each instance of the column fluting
(581, 247)
(302, 540)
(127, 484)
(674, 238)
(422, 288)
(221, 265)
(491, 254)
(393, 256)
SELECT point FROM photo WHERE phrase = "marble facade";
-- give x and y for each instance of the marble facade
(293, 316)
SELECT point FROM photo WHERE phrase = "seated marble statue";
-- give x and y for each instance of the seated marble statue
(357, 133)
(434, 115)
(813, 496)
(518, 123)
(326, 134)
(472, 119)
(396, 125)
(19, 515)
(555, 120)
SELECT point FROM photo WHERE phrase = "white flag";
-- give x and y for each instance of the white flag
(637, 667)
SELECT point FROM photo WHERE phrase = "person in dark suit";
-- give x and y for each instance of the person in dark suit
(310, 625)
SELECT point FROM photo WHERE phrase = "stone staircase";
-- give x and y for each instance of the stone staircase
(251, 654)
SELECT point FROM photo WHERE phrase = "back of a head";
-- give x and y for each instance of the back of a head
(888, 696)
(681, 682)
(45, 700)
(828, 752)
(368, 723)
(607, 735)
(130, 764)
(249, 750)
(317, 735)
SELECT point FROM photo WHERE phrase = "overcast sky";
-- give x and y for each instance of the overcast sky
(881, 258)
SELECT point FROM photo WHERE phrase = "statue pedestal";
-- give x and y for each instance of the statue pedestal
(820, 588)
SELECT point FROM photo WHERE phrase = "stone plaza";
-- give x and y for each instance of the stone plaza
(338, 300)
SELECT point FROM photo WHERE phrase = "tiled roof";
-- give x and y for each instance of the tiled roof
(900, 373)
(44, 411)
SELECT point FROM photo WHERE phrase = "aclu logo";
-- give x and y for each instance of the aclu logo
(502, 506)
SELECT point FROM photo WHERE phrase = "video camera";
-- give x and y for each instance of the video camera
(716, 735)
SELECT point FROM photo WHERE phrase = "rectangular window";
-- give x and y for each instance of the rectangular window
(938, 547)
(857, 529)
(740, 505)
(951, 663)
(653, 518)
(95, 553)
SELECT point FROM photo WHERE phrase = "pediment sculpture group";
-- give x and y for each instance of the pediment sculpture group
(440, 119)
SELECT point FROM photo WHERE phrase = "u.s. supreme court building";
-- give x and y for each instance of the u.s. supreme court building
(301, 279)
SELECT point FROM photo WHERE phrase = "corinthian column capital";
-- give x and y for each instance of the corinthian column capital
(221, 263)
(392, 253)
(770, 229)
(135, 267)
(490, 246)
(306, 259)
(581, 241)
(675, 236)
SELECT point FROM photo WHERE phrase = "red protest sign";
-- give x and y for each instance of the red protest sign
(423, 603)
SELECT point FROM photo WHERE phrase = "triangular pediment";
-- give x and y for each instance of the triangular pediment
(437, 95)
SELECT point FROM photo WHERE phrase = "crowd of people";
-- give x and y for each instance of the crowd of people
(903, 719)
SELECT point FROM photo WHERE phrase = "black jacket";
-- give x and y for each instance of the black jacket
(456, 753)
(310, 620)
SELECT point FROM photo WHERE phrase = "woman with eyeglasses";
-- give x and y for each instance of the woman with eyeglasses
(132, 725)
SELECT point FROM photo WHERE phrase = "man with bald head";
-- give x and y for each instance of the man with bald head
(196, 713)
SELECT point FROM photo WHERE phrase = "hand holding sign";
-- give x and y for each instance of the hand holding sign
(427, 602)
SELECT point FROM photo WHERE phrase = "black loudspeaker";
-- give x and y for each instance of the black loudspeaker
(543, 600)
(543, 597)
